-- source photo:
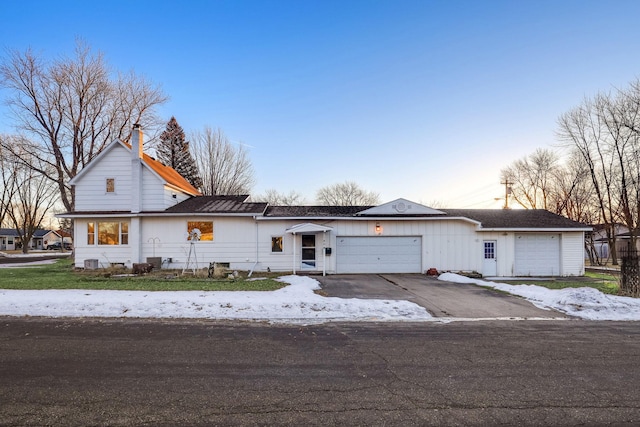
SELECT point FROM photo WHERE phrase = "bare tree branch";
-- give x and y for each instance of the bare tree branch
(71, 108)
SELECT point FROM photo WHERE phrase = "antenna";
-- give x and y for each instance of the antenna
(194, 236)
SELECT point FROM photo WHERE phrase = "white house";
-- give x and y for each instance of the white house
(10, 239)
(130, 208)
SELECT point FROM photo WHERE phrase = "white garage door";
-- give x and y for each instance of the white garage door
(537, 255)
(379, 254)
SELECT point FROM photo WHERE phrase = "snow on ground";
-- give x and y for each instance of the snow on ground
(296, 303)
(585, 303)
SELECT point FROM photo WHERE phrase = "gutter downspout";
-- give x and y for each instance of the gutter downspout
(255, 263)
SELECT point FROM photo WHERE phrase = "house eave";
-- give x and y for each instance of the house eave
(531, 229)
(149, 214)
(366, 218)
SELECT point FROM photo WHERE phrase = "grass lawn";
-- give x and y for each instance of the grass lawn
(61, 275)
(606, 283)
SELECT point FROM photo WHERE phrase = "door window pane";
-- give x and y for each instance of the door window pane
(489, 250)
(309, 251)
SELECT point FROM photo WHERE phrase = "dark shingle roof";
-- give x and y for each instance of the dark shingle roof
(515, 218)
(313, 211)
(218, 205)
(14, 233)
(489, 218)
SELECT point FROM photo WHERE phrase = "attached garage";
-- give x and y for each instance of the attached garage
(537, 254)
(379, 254)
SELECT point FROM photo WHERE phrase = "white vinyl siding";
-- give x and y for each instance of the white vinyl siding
(91, 194)
(573, 254)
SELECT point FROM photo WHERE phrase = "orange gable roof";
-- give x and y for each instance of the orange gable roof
(169, 174)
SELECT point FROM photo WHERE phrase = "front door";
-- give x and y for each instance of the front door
(308, 251)
(490, 262)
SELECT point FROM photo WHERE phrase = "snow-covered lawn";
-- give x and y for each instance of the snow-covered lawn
(296, 303)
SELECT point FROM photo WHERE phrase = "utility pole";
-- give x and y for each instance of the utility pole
(507, 192)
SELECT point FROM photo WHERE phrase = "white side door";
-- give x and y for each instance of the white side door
(490, 260)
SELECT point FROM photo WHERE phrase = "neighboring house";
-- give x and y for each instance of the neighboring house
(601, 243)
(57, 236)
(10, 240)
(130, 208)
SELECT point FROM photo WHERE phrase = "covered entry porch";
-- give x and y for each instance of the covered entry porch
(307, 258)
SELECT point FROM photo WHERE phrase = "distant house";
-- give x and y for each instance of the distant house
(57, 236)
(10, 239)
(130, 208)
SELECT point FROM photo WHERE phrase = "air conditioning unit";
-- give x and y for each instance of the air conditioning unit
(90, 264)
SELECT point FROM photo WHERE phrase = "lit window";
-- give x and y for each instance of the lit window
(110, 233)
(276, 244)
(124, 233)
(91, 236)
(111, 185)
(205, 227)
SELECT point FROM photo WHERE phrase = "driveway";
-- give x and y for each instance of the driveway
(441, 299)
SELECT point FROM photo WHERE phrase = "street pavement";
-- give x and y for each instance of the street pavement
(165, 373)
(441, 299)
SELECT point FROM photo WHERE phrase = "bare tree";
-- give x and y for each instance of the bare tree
(225, 168)
(346, 194)
(71, 108)
(8, 183)
(33, 196)
(275, 198)
(532, 178)
(585, 129)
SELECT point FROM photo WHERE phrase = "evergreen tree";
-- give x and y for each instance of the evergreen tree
(173, 151)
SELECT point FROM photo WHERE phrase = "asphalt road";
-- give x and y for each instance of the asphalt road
(32, 258)
(127, 372)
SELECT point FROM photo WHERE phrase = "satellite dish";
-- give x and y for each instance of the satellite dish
(195, 235)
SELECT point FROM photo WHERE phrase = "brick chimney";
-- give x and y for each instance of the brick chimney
(137, 140)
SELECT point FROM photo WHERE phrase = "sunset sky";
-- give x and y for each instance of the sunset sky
(425, 100)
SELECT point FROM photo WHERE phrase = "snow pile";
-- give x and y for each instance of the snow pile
(585, 303)
(294, 303)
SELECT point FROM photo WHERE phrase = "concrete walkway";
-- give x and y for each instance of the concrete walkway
(441, 299)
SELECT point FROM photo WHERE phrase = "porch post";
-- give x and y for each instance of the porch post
(324, 253)
(294, 252)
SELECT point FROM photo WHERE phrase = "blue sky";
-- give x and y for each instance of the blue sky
(425, 100)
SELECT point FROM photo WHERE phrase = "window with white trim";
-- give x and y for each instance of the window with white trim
(205, 228)
(277, 244)
(108, 233)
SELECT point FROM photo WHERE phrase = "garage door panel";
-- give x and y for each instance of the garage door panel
(537, 254)
(379, 254)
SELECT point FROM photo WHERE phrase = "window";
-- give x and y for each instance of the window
(111, 185)
(109, 233)
(205, 227)
(276, 244)
(91, 236)
(124, 233)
